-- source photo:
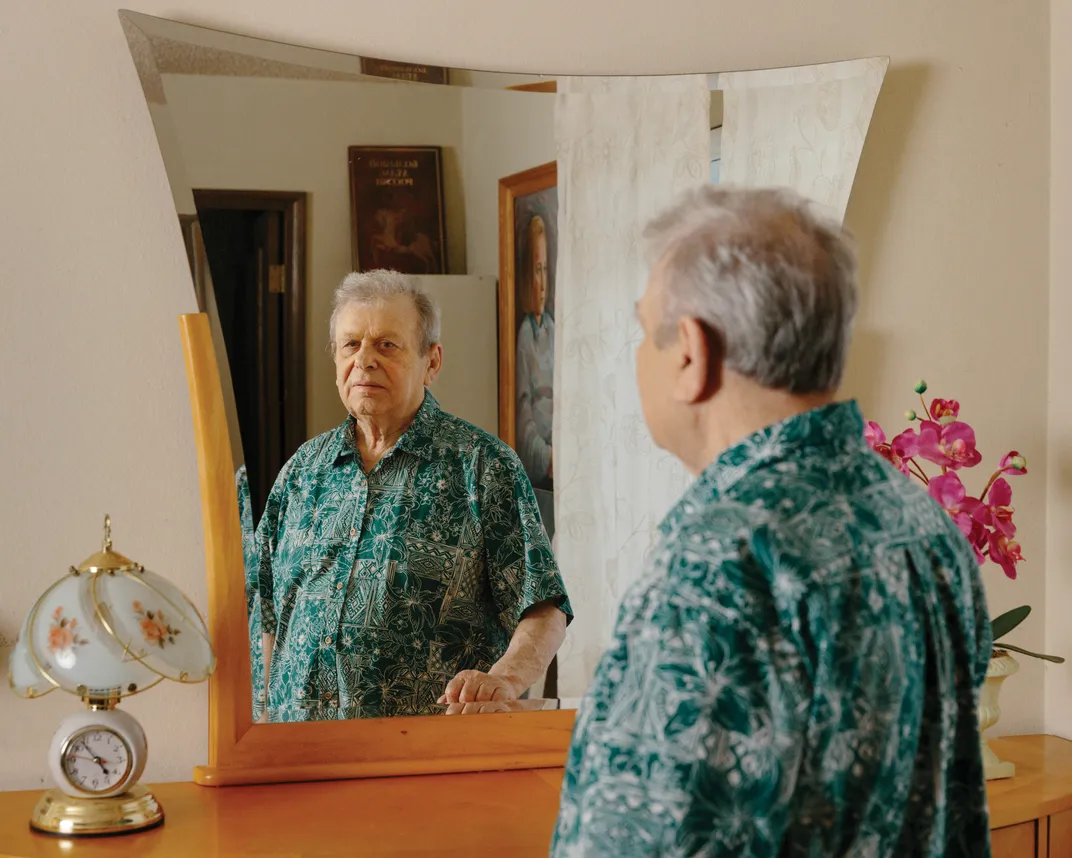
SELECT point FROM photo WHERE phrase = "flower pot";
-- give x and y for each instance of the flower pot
(1001, 665)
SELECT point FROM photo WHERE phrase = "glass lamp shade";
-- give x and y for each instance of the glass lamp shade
(107, 630)
(22, 674)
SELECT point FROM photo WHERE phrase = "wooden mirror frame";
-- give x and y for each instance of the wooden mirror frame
(240, 752)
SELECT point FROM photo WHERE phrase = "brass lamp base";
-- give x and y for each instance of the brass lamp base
(60, 814)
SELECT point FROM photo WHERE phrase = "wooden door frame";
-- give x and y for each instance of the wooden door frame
(293, 205)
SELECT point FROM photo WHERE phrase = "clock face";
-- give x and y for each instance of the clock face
(96, 760)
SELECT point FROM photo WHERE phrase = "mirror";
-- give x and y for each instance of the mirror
(292, 167)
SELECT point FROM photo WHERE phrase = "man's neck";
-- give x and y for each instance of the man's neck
(377, 436)
(741, 410)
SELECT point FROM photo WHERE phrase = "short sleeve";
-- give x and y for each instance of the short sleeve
(265, 544)
(521, 567)
(689, 741)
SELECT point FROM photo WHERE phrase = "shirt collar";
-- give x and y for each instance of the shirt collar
(815, 433)
(418, 439)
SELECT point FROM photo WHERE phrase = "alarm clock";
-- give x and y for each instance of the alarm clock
(96, 758)
(97, 754)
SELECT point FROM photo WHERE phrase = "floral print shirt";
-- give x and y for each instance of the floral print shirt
(380, 587)
(253, 600)
(795, 674)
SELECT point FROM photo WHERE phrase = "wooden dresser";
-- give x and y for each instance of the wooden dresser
(1031, 814)
(473, 815)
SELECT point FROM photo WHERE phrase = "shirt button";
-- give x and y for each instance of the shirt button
(327, 695)
(327, 640)
(353, 531)
(338, 586)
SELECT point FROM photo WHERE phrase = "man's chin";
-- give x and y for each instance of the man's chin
(365, 404)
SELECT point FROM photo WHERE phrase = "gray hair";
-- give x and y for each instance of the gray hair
(369, 287)
(771, 277)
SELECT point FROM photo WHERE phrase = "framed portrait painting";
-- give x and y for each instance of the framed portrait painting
(528, 251)
(396, 209)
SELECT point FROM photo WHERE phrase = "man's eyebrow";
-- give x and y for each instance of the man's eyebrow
(352, 335)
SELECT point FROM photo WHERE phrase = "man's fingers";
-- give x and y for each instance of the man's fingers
(501, 693)
(452, 692)
(471, 687)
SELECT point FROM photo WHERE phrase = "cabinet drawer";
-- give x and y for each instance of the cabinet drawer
(1061, 835)
(1016, 841)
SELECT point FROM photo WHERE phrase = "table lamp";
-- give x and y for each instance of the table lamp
(106, 630)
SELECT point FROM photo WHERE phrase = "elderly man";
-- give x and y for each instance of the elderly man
(797, 672)
(402, 560)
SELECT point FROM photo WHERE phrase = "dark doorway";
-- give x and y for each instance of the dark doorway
(255, 246)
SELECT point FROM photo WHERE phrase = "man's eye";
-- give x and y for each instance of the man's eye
(387, 344)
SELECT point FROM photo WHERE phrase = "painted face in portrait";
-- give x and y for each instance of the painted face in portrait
(538, 268)
(381, 368)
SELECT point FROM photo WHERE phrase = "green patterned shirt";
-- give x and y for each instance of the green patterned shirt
(380, 587)
(795, 674)
(253, 601)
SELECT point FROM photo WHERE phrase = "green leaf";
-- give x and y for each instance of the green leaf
(1056, 659)
(1005, 623)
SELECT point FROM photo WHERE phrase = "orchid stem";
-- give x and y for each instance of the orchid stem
(989, 483)
(919, 472)
(926, 410)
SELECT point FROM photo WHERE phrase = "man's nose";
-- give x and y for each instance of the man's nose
(366, 357)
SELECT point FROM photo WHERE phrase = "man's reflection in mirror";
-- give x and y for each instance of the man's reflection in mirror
(401, 562)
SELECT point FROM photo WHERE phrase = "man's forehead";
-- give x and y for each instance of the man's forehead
(390, 315)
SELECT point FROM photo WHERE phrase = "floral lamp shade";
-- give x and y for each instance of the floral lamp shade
(108, 629)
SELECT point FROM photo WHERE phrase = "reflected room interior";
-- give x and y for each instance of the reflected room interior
(292, 167)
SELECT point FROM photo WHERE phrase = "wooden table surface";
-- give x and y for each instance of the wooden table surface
(1043, 782)
(483, 814)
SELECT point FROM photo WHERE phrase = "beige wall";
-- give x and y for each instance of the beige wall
(1059, 497)
(951, 204)
(504, 133)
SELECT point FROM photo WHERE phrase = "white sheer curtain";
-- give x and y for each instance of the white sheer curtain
(626, 148)
(802, 128)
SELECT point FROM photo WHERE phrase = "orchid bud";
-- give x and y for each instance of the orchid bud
(921, 387)
(1018, 462)
(910, 415)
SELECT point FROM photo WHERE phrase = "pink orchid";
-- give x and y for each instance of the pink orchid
(897, 453)
(945, 410)
(1013, 463)
(1005, 553)
(951, 495)
(943, 439)
(978, 539)
(874, 435)
(995, 511)
(906, 445)
(950, 446)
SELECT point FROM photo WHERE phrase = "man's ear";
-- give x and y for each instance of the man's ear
(699, 369)
(435, 363)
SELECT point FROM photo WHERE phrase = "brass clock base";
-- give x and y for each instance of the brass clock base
(60, 814)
